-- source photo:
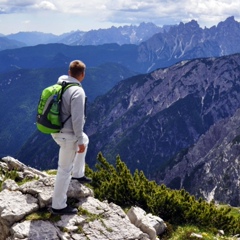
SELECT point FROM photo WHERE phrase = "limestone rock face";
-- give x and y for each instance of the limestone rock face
(211, 166)
(95, 219)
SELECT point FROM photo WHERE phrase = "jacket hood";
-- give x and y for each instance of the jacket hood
(67, 79)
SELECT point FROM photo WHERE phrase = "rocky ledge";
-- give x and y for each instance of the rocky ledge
(95, 220)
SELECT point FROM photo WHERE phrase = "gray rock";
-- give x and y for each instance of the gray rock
(14, 206)
(34, 230)
(111, 220)
(14, 164)
(95, 220)
(148, 223)
(10, 185)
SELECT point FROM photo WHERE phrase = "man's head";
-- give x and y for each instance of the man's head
(77, 70)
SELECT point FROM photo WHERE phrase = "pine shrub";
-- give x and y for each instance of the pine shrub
(117, 184)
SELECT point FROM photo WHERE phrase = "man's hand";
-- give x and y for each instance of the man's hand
(81, 148)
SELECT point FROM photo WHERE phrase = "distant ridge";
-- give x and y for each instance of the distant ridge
(120, 35)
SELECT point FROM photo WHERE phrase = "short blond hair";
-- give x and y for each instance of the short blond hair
(76, 68)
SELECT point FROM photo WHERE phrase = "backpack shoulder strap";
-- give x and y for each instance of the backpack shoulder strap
(65, 86)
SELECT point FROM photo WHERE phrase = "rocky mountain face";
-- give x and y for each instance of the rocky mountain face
(210, 168)
(149, 119)
(189, 41)
(95, 219)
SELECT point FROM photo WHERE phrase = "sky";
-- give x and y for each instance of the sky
(63, 16)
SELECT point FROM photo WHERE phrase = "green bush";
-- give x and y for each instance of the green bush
(7, 175)
(117, 184)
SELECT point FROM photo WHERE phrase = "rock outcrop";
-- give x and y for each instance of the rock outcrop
(95, 219)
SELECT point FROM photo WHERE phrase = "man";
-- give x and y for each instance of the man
(72, 140)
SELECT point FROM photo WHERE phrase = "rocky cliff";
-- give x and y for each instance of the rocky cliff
(151, 118)
(24, 211)
(211, 168)
(148, 119)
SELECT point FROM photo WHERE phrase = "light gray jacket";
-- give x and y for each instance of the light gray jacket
(73, 103)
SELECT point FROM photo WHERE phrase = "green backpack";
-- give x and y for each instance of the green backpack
(48, 110)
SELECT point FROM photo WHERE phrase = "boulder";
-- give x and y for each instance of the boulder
(152, 225)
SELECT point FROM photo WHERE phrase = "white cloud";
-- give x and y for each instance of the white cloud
(16, 6)
(26, 21)
(93, 14)
(130, 6)
(132, 10)
(45, 5)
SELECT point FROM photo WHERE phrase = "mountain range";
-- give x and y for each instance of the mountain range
(181, 85)
(163, 49)
(121, 35)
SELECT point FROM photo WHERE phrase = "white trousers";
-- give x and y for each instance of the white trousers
(70, 164)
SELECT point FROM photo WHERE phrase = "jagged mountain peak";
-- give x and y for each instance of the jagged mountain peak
(228, 22)
(189, 41)
(193, 24)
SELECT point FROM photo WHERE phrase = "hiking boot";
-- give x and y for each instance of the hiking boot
(83, 179)
(67, 210)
